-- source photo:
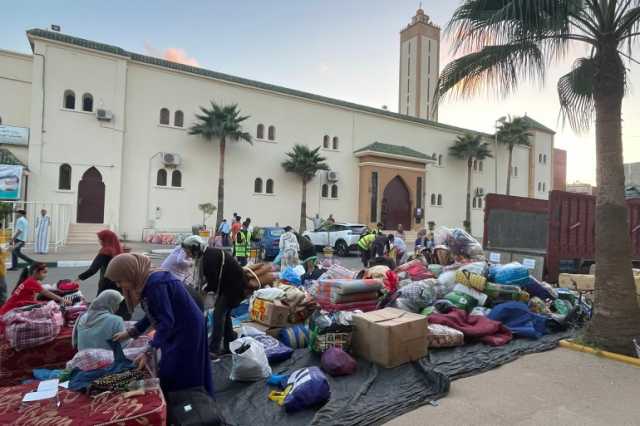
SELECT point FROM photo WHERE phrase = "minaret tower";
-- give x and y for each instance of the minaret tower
(419, 67)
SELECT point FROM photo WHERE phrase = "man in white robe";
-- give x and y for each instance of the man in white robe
(42, 233)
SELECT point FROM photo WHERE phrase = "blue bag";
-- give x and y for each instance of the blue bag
(295, 336)
(275, 350)
(519, 320)
(536, 289)
(290, 276)
(511, 273)
(308, 388)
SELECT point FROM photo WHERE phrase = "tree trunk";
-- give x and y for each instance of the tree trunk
(616, 319)
(509, 171)
(303, 207)
(220, 206)
(468, 213)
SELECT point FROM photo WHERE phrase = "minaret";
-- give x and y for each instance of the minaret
(419, 67)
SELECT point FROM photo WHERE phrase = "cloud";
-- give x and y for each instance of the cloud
(173, 54)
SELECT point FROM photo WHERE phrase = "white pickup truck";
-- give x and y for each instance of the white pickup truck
(343, 237)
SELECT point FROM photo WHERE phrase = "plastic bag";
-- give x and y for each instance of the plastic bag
(290, 275)
(274, 349)
(269, 293)
(337, 362)
(441, 336)
(462, 301)
(512, 273)
(447, 280)
(459, 242)
(337, 272)
(307, 387)
(540, 289)
(249, 360)
(295, 336)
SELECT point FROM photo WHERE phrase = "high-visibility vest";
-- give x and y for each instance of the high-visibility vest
(365, 242)
(243, 243)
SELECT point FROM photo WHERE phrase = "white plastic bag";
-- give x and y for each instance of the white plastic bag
(250, 364)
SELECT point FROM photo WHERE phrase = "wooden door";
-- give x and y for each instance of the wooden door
(91, 197)
(396, 205)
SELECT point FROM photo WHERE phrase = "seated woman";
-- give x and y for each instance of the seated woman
(28, 288)
(181, 332)
(98, 325)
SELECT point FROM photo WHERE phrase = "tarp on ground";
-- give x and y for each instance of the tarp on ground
(373, 395)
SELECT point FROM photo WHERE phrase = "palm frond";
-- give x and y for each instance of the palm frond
(575, 91)
(494, 68)
(220, 121)
(629, 24)
(514, 132)
(470, 146)
(304, 161)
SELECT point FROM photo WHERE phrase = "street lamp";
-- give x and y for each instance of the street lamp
(499, 121)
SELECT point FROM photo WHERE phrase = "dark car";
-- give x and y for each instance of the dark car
(269, 242)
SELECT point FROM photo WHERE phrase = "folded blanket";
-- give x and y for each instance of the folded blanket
(474, 327)
(351, 286)
(362, 306)
(347, 298)
(517, 318)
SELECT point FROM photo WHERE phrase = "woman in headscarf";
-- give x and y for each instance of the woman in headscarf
(110, 247)
(97, 326)
(180, 329)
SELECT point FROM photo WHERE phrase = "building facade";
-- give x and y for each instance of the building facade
(109, 137)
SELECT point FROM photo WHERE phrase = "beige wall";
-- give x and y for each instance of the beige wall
(15, 94)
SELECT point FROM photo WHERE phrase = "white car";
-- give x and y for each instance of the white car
(343, 237)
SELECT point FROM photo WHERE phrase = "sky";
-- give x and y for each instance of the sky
(346, 49)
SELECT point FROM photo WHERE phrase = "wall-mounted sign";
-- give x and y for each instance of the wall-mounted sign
(11, 135)
(10, 182)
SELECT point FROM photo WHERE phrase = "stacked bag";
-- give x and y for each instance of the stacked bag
(348, 295)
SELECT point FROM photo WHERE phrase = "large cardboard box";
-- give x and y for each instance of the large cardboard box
(587, 282)
(390, 337)
(271, 313)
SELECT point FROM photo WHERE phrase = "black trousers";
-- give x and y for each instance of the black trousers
(17, 253)
(222, 325)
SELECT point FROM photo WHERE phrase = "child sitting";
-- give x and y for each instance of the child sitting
(28, 288)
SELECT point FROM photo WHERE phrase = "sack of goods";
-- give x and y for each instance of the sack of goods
(330, 330)
(306, 388)
(348, 295)
(511, 273)
(249, 360)
(337, 362)
(441, 336)
(295, 336)
(32, 326)
(274, 349)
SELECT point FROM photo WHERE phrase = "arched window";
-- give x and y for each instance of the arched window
(539, 186)
(0, 120)
(475, 202)
(69, 101)
(325, 142)
(439, 199)
(272, 133)
(269, 186)
(87, 102)
(64, 177)
(178, 119)
(257, 186)
(176, 179)
(544, 158)
(539, 158)
(440, 160)
(325, 191)
(164, 116)
(260, 131)
(480, 165)
(475, 164)
(161, 178)
(515, 171)
(480, 202)
(433, 199)
(334, 191)
(544, 187)
(336, 142)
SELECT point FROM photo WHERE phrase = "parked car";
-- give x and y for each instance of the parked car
(268, 241)
(343, 237)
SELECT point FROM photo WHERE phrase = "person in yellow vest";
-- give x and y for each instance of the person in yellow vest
(364, 245)
(243, 244)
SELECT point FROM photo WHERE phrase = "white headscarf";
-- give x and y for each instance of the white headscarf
(106, 303)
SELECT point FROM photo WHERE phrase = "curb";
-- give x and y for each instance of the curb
(604, 354)
(59, 264)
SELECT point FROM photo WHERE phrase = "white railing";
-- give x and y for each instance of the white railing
(60, 215)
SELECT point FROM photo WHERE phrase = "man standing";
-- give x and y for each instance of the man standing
(289, 248)
(42, 233)
(317, 221)
(242, 244)
(224, 231)
(19, 239)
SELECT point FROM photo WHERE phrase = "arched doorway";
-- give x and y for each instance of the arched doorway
(91, 197)
(396, 205)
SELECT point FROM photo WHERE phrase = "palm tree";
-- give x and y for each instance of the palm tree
(506, 41)
(513, 133)
(221, 122)
(469, 147)
(306, 163)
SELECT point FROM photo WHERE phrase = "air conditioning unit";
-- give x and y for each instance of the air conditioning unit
(479, 192)
(332, 176)
(104, 115)
(171, 160)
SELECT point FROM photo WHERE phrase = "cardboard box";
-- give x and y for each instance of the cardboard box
(587, 282)
(271, 331)
(271, 313)
(390, 337)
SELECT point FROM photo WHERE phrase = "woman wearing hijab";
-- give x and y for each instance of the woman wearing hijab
(180, 329)
(110, 247)
(98, 325)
